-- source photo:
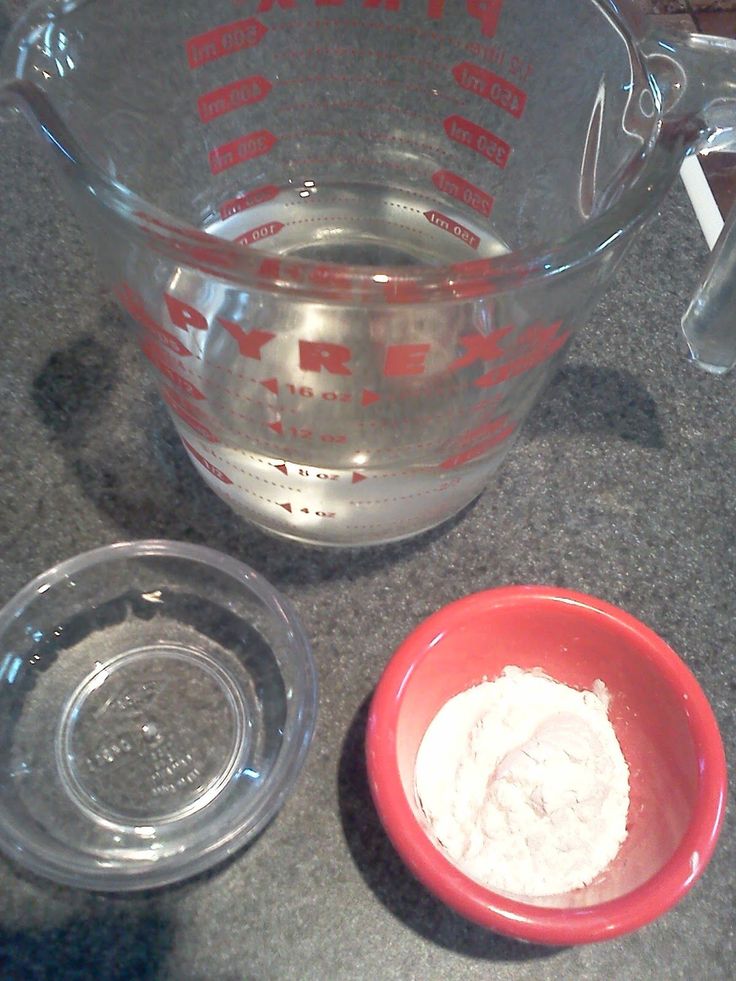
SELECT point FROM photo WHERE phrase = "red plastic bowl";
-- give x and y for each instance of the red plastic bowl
(662, 718)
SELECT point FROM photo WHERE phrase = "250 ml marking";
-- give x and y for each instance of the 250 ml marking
(460, 189)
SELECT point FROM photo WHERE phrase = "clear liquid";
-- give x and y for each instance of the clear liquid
(363, 224)
(348, 458)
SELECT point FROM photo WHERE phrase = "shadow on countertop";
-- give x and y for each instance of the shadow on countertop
(390, 880)
(119, 946)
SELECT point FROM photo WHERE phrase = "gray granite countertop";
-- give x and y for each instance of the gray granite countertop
(622, 486)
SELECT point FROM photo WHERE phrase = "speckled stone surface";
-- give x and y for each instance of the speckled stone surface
(623, 485)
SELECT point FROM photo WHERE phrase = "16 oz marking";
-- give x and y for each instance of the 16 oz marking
(305, 392)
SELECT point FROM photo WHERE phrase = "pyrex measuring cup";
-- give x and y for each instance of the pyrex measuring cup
(356, 235)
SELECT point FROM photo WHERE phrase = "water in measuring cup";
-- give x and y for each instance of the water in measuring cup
(340, 458)
(362, 224)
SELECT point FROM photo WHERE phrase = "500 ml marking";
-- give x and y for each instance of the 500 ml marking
(491, 87)
(224, 40)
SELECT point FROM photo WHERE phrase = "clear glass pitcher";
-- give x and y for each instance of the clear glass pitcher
(356, 236)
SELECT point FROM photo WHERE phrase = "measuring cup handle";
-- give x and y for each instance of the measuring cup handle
(698, 73)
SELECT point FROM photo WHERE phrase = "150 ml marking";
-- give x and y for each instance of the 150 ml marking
(439, 220)
(242, 92)
(491, 87)
(483, 141)
(241, 149)
(242, 202)
(224, 40)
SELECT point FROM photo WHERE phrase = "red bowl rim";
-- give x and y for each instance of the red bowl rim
(547, 925)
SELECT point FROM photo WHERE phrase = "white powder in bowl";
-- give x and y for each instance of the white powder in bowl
(524, 785)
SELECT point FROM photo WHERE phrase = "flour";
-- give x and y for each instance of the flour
(524, 784)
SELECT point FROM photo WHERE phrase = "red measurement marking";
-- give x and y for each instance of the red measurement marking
(272, 385)
(282, 467)
(177, 404)
(462, 190)
(487, 12)
(286, 507)
(494, 88)
(357, 477)
(215, 471)
(536, 344)
(244, 148)
(243, 92)
(453, 227)
(276, 426)
(260, 232)
(134, 305)
(495, 439)
(158, 359)
(234, 206)
(481, 140)
(224, 40)
(368, 397)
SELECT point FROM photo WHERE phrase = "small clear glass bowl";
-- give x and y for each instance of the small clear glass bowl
(157, 700)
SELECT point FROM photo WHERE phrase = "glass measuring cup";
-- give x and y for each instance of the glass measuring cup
(356, 236)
